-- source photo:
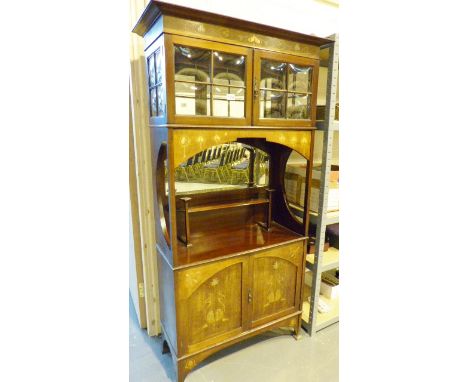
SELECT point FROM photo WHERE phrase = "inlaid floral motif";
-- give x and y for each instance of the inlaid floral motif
(190, 364)
(254, 40)
(215, 306)
(275, 285)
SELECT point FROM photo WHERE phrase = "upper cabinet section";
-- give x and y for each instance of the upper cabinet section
(207, 82)
(207, 69)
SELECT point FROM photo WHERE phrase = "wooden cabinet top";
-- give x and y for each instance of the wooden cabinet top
(197, 23)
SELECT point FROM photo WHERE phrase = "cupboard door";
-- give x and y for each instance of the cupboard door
(285, 89)
(211, 303)
(276, 282)
(208, 82)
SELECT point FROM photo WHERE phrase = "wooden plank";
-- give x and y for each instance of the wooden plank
(139, 102)
(136, 259)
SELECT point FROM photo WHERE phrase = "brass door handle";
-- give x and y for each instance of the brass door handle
(255, 88)
(250, 296)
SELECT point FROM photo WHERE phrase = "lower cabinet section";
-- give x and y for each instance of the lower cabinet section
(221, 300)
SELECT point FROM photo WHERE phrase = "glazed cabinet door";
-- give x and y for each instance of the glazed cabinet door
(208, 82)
(284, 89)
(211, 303)
(276, 283)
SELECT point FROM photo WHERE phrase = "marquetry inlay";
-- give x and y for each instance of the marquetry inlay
(190, 364)
(180, 26)
(254, 40)
(188, 142)
(192, 279)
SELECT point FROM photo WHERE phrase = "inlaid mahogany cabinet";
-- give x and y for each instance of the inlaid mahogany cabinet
(228, 102)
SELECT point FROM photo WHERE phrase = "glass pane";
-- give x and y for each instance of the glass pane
(298, 106)
(151, 71)
(192, 99)
(161, 101)
(228, 102)
(229, 69)
(272, 104)
(299, 78)
(153, 102)
(192, 64)
(159, 66)
(273, 75)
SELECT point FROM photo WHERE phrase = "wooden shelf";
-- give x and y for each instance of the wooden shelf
(232, 242)
(330, 259)
(220, 206)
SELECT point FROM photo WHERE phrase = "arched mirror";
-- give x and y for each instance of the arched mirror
(227, 166)
(162, 189)
(294, 179)
(294, 184)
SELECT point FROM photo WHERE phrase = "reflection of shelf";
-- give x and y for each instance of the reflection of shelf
(323, 319)
(330, 259)
(220, 206)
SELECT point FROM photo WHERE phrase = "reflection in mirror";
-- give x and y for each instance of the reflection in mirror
(294, 183)
(222, 167)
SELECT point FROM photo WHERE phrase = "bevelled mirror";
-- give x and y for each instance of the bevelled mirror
(226, 166)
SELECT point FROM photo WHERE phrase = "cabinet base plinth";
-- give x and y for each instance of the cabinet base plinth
(184, 365)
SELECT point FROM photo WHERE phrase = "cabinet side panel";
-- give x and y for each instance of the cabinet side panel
(166, 298)
(159, 137)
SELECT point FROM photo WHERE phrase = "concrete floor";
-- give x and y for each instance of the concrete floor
(269, 357)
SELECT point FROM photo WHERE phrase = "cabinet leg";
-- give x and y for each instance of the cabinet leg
(297, 330)
(183, 368)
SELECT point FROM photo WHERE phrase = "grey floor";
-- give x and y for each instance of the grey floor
(269, 357)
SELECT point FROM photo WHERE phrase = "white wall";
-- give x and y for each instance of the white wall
(305, 16)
